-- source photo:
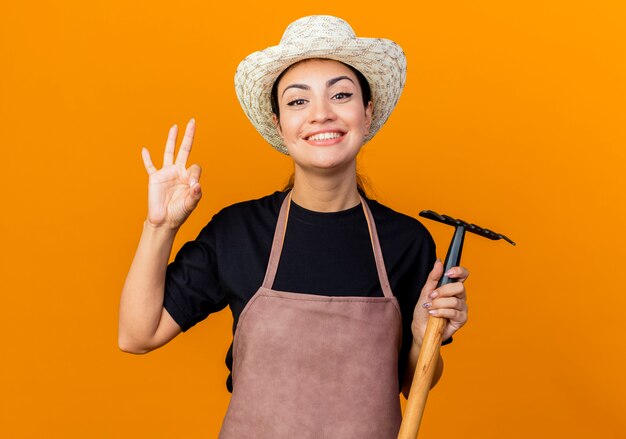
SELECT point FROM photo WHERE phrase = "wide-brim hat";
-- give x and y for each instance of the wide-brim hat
(381, 61)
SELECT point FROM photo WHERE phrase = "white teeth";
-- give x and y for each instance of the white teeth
(325, 136)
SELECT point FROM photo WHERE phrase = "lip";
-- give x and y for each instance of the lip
(325, 142)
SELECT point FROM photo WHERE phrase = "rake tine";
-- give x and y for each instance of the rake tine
(456, 222)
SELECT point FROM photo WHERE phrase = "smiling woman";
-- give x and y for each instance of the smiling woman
(330, 291)
(323, 123)
(365, 93)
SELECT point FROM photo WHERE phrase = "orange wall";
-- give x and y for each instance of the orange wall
(513, 118)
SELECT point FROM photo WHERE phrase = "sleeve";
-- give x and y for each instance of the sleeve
(192, 287)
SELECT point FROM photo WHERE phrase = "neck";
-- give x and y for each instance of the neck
(325, 193)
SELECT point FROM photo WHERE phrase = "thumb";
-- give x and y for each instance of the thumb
(194, 174)
(192, 199)
(433, 277)
(195, 191)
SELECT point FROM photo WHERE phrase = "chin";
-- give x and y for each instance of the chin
(328, 160)
(324, 157)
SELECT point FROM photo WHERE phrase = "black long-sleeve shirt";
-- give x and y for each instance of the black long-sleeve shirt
(325, 253)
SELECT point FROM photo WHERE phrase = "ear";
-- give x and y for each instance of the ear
(277, 124)
(368, 116)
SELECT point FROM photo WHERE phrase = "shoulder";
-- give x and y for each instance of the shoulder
(398, 226)
(244, 215)
(404, 240)
(245, 210)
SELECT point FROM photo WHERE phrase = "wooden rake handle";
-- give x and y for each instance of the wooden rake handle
(423, 378)
(429, 353)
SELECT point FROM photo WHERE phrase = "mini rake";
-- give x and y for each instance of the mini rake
(429, 354)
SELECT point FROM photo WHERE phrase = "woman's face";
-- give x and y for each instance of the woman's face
(322, 117)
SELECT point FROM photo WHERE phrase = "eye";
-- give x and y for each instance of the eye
(342, 95)
(296, 102)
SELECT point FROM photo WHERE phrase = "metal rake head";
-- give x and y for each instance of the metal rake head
(455, 222)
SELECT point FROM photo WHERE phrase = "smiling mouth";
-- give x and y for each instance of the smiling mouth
(325, 136)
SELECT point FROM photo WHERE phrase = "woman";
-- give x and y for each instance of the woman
(326, 332)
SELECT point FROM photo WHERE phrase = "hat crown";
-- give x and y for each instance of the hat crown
(316, 26)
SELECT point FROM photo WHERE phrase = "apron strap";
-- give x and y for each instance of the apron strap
(279, 239)
(378, 254)
(277, 243)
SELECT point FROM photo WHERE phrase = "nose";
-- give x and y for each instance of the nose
(321, 111)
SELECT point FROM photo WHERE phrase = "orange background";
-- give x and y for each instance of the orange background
(513, 117)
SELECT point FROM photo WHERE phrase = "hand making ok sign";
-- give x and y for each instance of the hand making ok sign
(174, 190)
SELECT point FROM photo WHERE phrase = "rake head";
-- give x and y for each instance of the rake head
(467, 226)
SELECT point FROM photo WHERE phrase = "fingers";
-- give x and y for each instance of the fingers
(454, 315)
(170, 145)
(459, 273)
(194, 174)
(191, 201)
(147, 161)
(195, 191)
(452, 308)
(433, 277)
(447, 303)
(454, 289)
(185, 147)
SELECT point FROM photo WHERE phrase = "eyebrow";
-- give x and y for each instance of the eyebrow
(329, 83)
(333, 81)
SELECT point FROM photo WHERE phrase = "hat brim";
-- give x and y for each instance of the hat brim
(381, 61)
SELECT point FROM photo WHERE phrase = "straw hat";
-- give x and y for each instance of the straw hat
(381, 61)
